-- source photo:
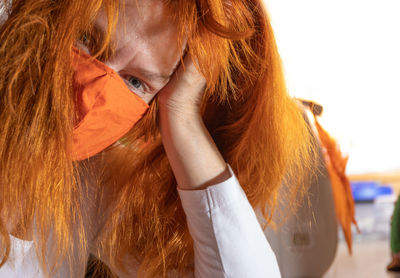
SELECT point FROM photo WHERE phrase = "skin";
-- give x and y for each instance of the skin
(146, 49)
(147, 57)
(146, 42)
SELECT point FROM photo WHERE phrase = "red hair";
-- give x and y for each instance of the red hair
(255, 124)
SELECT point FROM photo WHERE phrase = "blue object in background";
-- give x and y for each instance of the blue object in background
(385, 190)
(367, 191)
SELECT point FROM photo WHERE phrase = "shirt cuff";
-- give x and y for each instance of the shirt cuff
(214, 196)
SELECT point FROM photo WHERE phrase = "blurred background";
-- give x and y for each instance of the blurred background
(345, 55)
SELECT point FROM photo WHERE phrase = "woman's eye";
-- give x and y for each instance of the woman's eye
(85, 39)
(136, 83)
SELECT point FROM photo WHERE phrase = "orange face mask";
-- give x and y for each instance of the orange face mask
(107, 108)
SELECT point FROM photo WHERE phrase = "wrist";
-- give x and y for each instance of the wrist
(175, 110)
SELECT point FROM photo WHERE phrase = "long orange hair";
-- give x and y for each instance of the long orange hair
(255, 124)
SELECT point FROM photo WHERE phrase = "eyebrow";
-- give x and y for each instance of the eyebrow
(158, 76)
(154, 75)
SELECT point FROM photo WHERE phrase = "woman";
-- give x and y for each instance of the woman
(162, 200)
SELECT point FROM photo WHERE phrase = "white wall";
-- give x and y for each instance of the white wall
(345, 54)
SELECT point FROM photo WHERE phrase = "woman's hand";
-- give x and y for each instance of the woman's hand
(183, 93)
(194, 158)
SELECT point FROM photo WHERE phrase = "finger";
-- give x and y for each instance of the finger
(189, 71)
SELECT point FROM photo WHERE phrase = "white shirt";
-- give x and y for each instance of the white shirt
(228, 239)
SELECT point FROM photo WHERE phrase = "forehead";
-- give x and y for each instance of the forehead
(143, 20)
(145, 38)
(147, 17)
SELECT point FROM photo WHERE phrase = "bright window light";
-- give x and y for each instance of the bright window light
(345, 55)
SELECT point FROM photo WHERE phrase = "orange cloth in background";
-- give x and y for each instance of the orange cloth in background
(336, 165)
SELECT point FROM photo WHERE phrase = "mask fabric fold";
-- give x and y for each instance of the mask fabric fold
(106, 108)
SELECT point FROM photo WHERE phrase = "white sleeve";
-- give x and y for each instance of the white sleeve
(228, 239)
